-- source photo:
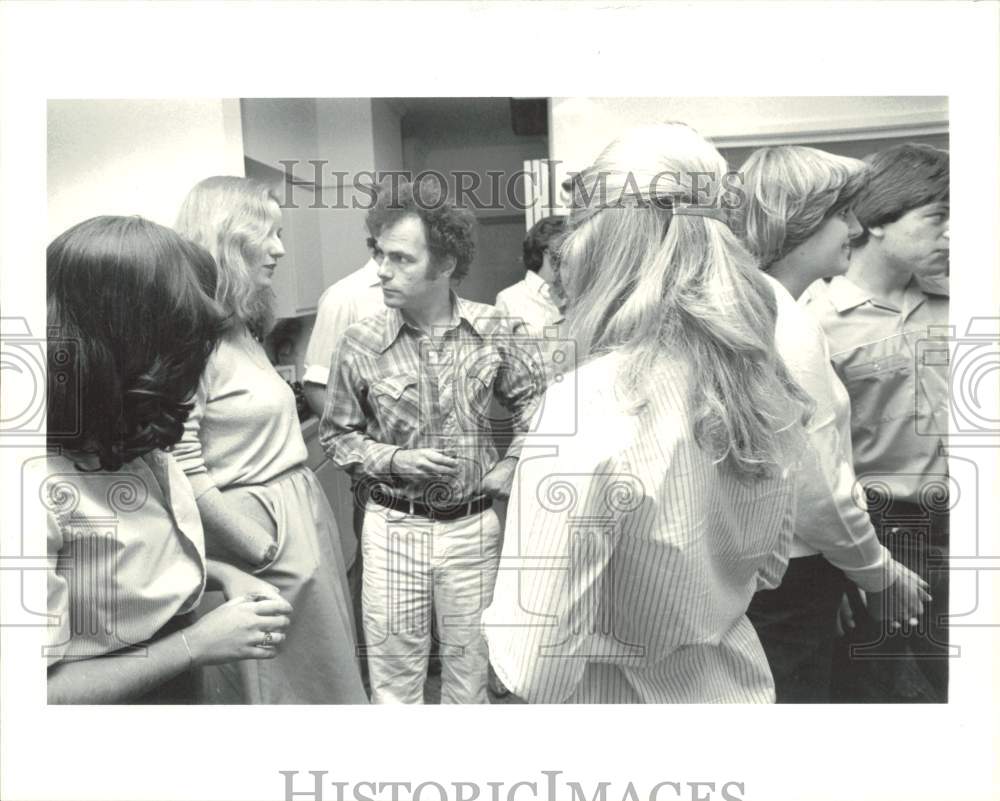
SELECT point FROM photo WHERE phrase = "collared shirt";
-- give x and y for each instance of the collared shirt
(126, 553)
(530, 300)
(832, 517)
(897, 378)
(392, 386)
(630, 557)
(350, 299)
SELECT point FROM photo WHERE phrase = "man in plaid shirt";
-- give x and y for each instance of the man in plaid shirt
(407, 414)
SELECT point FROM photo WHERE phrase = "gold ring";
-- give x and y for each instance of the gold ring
(268, 640)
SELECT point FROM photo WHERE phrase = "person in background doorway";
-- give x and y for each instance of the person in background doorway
(535, 299)
(342, 304)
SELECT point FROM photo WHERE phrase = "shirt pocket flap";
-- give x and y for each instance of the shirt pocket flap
(885, 364)
(393, 387)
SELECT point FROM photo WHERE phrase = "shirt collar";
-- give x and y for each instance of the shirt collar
(536, 283)
(845, 295)
(461, 311)
(371, 273)
(935, 285)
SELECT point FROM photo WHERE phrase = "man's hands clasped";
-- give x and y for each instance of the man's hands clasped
(423, 463)
(426, 464)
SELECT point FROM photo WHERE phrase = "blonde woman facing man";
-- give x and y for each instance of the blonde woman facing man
(243, 451)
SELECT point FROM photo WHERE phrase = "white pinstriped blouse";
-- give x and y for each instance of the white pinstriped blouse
(630, 558)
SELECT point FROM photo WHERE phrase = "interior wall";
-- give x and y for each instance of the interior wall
(136, 156)
(580, 127)
(856, 148)
(354, 134)
(477, 136)
(387, 134)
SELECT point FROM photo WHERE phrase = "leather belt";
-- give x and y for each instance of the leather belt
(473, 507)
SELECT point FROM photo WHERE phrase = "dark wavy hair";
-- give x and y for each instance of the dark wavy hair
(537, 240)
(450, 231)
(130, 304)
(901, 178)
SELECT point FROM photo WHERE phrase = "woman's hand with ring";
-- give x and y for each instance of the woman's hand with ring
(251, 626)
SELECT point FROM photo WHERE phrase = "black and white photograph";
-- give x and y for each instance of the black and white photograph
(475, 355)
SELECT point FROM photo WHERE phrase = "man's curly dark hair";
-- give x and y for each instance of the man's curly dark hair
(450, 231)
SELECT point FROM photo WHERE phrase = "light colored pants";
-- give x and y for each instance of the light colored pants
(413, 564)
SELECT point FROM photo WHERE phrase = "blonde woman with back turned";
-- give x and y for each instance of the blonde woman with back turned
(649, 528)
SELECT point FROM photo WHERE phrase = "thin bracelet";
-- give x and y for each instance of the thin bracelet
(190, 655)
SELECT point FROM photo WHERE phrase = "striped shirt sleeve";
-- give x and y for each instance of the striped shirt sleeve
(828, 518)
(520, 386)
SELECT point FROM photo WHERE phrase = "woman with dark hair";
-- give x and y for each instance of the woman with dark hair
(796, 218)
(262, 507)
(135, 325)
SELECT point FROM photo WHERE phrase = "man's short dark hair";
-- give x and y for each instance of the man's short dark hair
(537, 240)
(450, 231)
(901, 178)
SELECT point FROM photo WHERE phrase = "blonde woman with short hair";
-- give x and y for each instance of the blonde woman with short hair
(796, 218)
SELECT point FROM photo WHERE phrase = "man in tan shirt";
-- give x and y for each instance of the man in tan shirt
(876, 316)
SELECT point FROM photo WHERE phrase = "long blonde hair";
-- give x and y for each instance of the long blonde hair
(646, 282)
(231, 217)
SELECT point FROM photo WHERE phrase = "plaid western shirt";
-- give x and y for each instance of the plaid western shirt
(392, 386)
